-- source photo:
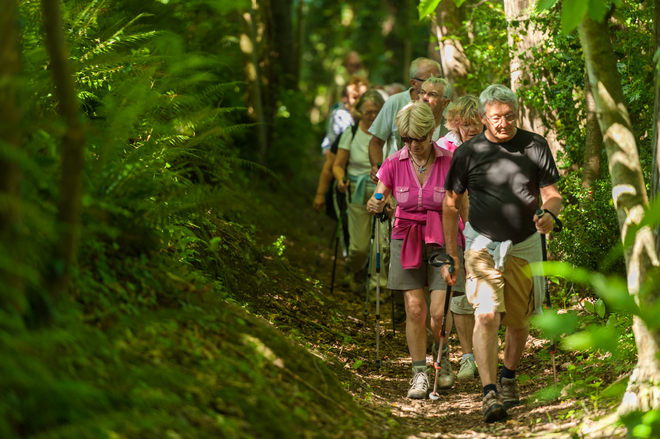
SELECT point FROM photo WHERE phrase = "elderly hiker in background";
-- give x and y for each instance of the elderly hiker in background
(383, 128)
(341, 117)
(395, 88)
(340, 120)
(505, 169)
(354, 151)
(416, 175)
(436, 92)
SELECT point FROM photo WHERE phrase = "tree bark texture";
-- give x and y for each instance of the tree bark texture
(523, 37)
(630, 201)
(11, 135)
(450, 52)
(594, 141)
(249, 46)
(70, 206)
(655, 173)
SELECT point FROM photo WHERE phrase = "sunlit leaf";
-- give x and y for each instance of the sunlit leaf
(589, 307)
(458, 3)
(426, 7)
(572, 13)
(604, 338)
(357, 364)
(545, 4)
(552, 325)
(600, 308)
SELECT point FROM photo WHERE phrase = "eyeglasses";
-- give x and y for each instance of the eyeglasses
(411, 140)
(373, 113)
(420, 80)
(497, 119)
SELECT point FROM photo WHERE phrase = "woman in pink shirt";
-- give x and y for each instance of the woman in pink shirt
(416, 175)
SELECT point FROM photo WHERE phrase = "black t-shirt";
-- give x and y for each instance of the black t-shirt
(504, 181)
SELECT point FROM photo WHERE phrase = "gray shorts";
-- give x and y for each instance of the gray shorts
(426, 274)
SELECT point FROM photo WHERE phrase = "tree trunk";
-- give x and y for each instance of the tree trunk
(300, 39)
(11, 136)
(69, 206)
(594, 142)
(281, 34)
(450, 53)
(249, 46)
(522, 39)
(655, 174)
(630, 201)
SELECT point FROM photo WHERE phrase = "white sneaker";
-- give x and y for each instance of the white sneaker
(419, 386)
(468, 369)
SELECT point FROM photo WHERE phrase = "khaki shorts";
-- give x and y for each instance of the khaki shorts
(510, 292)
(461, 305)
(426, 274)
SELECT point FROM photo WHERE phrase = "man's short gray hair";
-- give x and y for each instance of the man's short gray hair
(414, 66)
(446, 87)
(497, 92)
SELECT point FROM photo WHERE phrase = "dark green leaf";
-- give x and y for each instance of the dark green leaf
(598, 9)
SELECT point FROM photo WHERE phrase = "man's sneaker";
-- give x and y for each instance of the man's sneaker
(419, 386)
(357, 283)
(508, 388)
(468, 368)
(493, 408)
(446, 375)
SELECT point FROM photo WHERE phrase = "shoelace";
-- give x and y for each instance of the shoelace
(419, 384)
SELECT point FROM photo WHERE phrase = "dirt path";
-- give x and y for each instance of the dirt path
(458, 412)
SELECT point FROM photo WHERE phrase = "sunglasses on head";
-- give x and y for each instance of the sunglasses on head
(411, 139)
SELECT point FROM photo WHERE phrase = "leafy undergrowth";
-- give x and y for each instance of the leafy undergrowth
(171, 345)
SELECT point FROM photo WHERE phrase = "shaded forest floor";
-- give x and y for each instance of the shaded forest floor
(339, 336)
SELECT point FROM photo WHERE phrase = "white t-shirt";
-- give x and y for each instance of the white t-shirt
(358, 161)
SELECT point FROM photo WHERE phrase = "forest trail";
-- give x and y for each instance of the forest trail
(457, 414)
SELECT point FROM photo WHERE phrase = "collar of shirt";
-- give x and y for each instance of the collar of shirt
(439, 152)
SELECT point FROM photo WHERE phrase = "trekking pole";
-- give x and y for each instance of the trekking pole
(443, 334)
(338, 232)
(368, 276)
(548, 302)
(380, 217)
(334, 263)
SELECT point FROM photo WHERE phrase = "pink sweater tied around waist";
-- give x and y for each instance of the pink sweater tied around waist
(412, 224)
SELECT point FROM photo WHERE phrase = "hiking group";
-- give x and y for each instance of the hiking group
(463, 184)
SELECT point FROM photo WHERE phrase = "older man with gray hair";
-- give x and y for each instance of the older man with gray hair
(383, 129)
(506, 170)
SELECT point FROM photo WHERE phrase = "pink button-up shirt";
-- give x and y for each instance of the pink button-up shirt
(419, 206)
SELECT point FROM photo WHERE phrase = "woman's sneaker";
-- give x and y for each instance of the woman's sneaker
(468, 369)
(493, 408)
(419, 386)
(508, 388)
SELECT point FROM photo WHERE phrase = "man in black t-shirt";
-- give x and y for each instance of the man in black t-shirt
(504, 170)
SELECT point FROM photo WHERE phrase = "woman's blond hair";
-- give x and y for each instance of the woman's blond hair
(464, 109)
(415, 120)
